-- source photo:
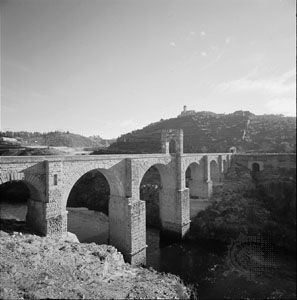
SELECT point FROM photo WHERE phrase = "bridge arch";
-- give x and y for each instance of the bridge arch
(35, 200)
(115, 183)
(225, 166)
(170, 135)
(255, 167)
(214, 170)
(88, 207)
(167, 187)
(165, 172)
(195, 178)
(149, 190)
(157, 189)
(165, 168)
(172, 146)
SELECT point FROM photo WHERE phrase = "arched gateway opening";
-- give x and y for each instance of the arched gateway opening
(88, 208)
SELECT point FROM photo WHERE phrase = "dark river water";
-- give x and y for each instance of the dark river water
(205, 265)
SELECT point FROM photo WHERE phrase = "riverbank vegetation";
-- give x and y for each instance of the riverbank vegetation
(251, 204)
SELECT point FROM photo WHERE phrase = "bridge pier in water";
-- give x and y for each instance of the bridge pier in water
(175, 213)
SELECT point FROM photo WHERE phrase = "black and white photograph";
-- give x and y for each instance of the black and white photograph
(148, 149)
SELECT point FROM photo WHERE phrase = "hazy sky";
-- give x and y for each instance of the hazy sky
(108, 67)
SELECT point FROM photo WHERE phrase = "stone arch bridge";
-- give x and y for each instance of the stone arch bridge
(51, 178)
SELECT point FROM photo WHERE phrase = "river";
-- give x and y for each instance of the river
(204, 264)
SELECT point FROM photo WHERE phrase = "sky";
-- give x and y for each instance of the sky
(107, 67)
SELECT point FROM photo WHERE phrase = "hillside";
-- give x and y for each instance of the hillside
(31, 152)
(210, 132)
(56, 139)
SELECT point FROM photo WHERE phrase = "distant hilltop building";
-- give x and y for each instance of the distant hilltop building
(186, 112)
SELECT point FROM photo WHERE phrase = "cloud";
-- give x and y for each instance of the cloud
(202, 33)
(203, 53)
(273, 86)
(172, 44)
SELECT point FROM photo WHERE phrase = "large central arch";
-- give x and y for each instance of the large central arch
(88, 208)
(117, 212)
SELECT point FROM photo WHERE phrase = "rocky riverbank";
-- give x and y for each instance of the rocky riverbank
(34, 267)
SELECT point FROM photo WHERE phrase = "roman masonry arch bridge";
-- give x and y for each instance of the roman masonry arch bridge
(51, 178)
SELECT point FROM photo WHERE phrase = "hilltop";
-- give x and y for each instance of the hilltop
(211, 132)
(56, 139)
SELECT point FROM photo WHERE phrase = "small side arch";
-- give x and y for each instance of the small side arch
(214, 171)
(195, 175)
(35, 217)
(255, 167)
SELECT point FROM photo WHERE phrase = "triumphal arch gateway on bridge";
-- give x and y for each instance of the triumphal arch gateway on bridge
(51, 178)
